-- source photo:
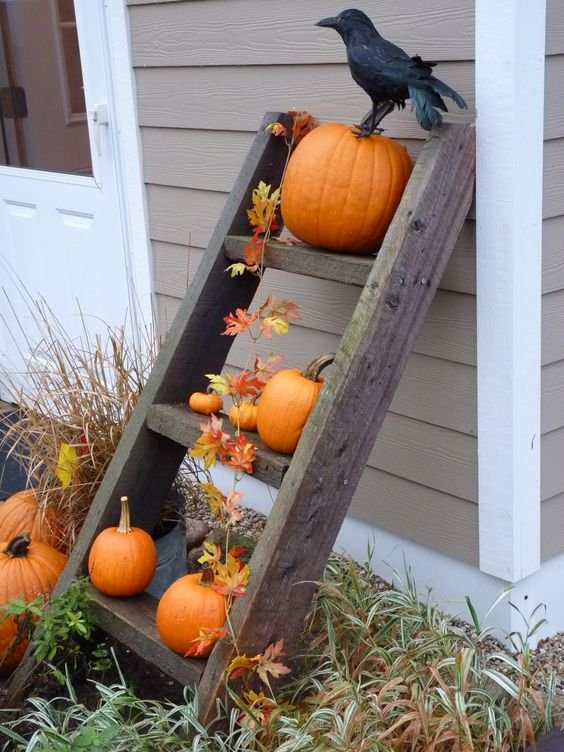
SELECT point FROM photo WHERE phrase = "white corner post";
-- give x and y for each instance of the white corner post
(510, 60)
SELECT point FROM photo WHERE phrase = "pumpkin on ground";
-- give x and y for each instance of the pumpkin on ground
(122, 559)
(286, 403)
(205, 402)
(244, 416)
(187, 605)
(341, 192)
(20, 513)
(28, 568)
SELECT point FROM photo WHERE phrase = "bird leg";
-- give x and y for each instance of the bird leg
(370, 121)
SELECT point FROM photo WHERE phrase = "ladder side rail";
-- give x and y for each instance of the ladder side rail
(317, 489)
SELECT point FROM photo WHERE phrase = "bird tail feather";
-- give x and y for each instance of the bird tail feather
(443, 90)
(425, 113)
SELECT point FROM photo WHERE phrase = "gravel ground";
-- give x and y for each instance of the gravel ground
(546, 658)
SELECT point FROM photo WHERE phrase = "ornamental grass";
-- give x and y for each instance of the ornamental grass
(74, 399)
(380, 671)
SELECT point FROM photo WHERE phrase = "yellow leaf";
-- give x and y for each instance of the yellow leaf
(236, 269)
(217, 383)
(67, 464)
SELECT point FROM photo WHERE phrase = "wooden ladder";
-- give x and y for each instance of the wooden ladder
(315, 484)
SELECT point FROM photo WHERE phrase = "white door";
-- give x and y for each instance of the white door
(61, 216)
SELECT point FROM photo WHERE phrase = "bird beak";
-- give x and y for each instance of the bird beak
(331, 22)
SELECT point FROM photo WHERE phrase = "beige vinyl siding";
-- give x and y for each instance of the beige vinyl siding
(552, 418)
(206, 71)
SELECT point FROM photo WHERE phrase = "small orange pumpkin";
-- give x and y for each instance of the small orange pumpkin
(286, 402)
(244, 416)
(341, 192)
(205, 402)
(187, 605)
(28, 568)
(123, 559)
(20, 513)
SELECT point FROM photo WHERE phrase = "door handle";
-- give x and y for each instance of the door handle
(100, 118)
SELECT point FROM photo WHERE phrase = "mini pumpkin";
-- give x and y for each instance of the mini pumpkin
(205, 402)
(28, 568)
(286, 403)
(122, 559)
(187, 605)
(20, 513)
(341, 192)
(244, 416)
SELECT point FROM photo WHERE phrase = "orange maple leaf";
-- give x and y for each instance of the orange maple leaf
(231, 579)
(263, 214)
(302, 124)
(210, 446)
(239, 666)
(239, 454)
(277, 129)
(244, 384)
(239, 322)
(253, 252)
(279, 308)
(265, 369)
(207, 637)
(260, 709)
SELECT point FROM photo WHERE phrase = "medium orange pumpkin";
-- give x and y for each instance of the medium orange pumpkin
(244, 416)
(205, 402)
(123, 559)
(341, 192)
(27, 569)
(286, 402)
(20, 513)
(187, 605)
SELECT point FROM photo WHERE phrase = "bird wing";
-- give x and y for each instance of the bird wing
(375, 60)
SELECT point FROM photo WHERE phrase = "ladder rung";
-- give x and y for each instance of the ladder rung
(179, 423)
(132, 622)
(307, 260)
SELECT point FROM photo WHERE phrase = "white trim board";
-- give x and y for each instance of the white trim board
(510, 49)
(129, 164)
(449, 579)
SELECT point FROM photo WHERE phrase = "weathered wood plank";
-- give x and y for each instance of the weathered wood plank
(145, 463)
(182, 425)
(307, 260)
(132, 621)
(317, 489)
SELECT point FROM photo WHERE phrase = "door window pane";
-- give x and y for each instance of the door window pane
(42, 110)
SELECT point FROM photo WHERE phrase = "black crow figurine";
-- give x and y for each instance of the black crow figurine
(388, 75)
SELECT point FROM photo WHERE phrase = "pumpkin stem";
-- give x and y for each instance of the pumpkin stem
(124, 520)
(207, 577)
(315, 367)
(18, 547)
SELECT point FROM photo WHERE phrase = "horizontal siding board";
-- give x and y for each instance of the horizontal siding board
(554, 27)
(233, 33)
(552, 399)
(553, 182)
(211, 98)
(552, 466)
(553, 254)
(553, 99)
(552, 525)
(417, 513)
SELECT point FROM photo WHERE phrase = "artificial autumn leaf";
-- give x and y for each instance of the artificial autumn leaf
(244, 384)
(231, 579)
(207, 637)
(211, 444)
(214, 497)
(268, 665)
(265, 369)
(239, 322)
(211, 555)
(279, 308)
(273, 325)
(263, 214)
(253, 251)
(288, 240)
(239, 666)
(302, 124)
(67, 464)
(237, 268)
(232, 508)
(260, 708)
(218, 383)
(239, 454)
(277, 129)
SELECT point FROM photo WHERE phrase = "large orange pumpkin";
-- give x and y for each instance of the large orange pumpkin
(286, 402)
(27, 569)
(244, 415)
(122, 559)
(341, 192)
(187, 605)
(20, 513)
